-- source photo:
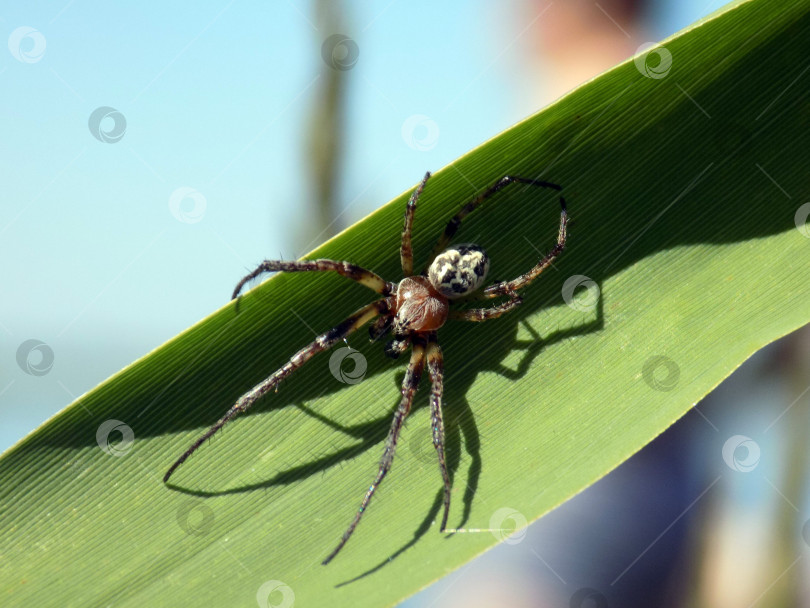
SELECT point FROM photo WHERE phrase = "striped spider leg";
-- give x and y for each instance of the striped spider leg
(321, 343)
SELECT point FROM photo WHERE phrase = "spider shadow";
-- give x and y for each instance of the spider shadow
(459, 418)
(494, 341)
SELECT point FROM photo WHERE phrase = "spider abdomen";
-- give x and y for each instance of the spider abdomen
(419, 306)
(459, 270)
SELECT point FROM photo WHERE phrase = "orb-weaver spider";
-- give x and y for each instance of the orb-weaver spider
(413, 310)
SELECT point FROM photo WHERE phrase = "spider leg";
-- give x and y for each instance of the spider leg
(380, 327)
(484, 314)
(453, 224)
(346, 269)
(435, 367)
(321, 343)
(406, 250)
(397, 346)
(409, 386)
(509, 287)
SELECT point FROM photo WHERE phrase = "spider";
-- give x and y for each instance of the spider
(412, 310)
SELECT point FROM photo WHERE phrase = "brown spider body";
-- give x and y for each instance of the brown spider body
(419, 306)
(413, 310)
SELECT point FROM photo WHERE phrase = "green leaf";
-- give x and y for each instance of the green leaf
(684, 191)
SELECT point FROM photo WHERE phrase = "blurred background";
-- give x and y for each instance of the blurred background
(153, 154)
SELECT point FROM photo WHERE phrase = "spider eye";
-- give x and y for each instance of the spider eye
(459, 270)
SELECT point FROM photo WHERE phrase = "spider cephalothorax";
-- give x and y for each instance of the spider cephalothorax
(413, 310)
(419, 307)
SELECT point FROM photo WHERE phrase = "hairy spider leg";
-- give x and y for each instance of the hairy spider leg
(321, 343)
(351, 271)
(453, 225)
(406, 250)
(435, 367)
(380, 327)
(510, 287)
(409, 385)
(484, 314)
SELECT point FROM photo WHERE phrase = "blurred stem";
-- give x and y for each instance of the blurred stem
(326, 133)
(779, 581)
(791, 515)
